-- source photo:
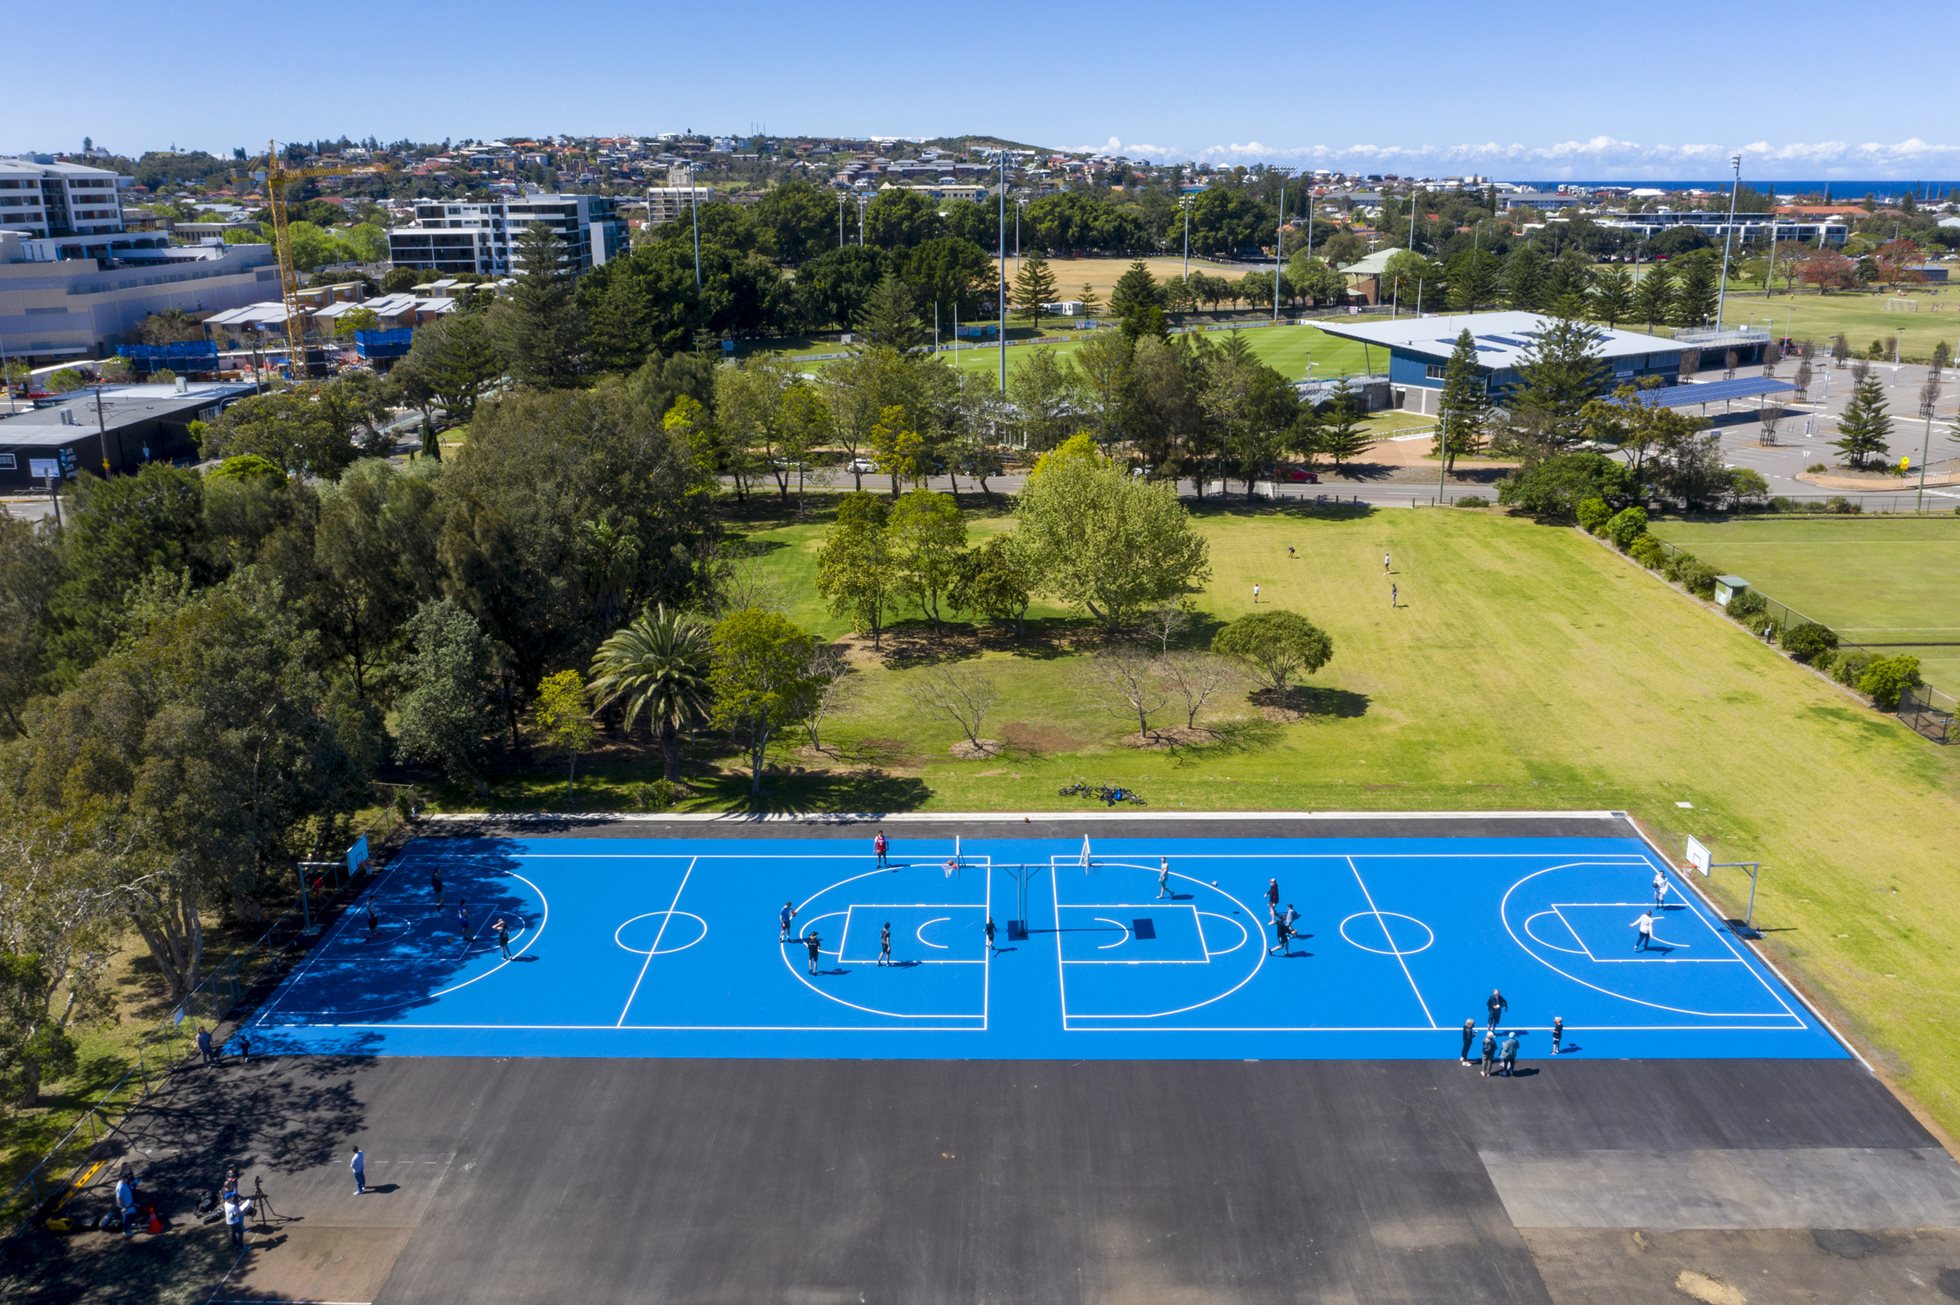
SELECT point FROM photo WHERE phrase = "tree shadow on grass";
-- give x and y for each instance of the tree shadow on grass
(1311, 701)
(869, 791)
(741, 546)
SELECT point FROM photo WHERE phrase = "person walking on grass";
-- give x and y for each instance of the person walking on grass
(502, 931)
(815, 944)
(1255, 592)
(1394, 595)
(881, 845)
(1508, 1053)
(1558, 1032)
(1643, 931)
(1495, 1005)
(1489, 1053)
(1385, 566)
(1163, 876)
(885, 944)
(1469, 1036)
(785, 915)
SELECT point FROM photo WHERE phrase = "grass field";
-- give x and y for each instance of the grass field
(1528, 667)
(1862, 317)
(1286, 349)
(1888, 583)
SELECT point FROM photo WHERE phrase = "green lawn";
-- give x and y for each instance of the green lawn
(1287, 349)
(1862, 317)
(1892, 583)
(1528, 667)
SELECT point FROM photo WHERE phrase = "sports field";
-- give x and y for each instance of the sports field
(1286, 349)
(1005, 948)
(1861, 317)
(1890, 584)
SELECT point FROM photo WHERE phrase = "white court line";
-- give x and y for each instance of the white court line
(320, 948)
(975, 1028)
(1569, 951)
(1399, 960)
(920, 932)
(654, 951)
(1245, 935)
(682, 1028)
(1413, 1028)
(1723, 932)
(1103, 919)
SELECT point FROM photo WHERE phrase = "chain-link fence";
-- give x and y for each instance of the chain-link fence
(1922, 707)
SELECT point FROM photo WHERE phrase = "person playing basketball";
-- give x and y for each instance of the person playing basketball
(885, 944)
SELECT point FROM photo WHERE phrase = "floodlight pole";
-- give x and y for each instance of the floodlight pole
(1728, 237)
(1442, 450)
(1187, 240)
(1279, 244)
(840, 219)
(1003, 269)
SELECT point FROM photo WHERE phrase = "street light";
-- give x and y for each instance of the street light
(1279, 244)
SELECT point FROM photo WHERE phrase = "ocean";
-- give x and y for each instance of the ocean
(1839, 188)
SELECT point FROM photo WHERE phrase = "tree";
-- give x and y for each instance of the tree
(170, 326)
(960, 693)
(30, 572)
(1340, 434)
(1196, 677)
(1653, 295)
(561, 720)
(890, 318)
(1865, 427)
(1612, 299)
(374, 553)
(761, 677)
(833, 286)
(854, 564)
(1103, 540)
(57, 937)
(1313, 280)
(947, 274)
(656, 667)
(1553, 487)
(120, 532)
(1698, 291)
(925, 536)
(1523, 279)
(1275, 646)
(443, 712)
(1408, 277)
(537, 321)
(996, 580)
(1043, 389)
(1460, 423)
(1475, 276)
(455, 359)
(1558, 375)
(1137, 302)
(355, 320)
(1129, 683)
(1034, 287)
(900, 219)
(797, 221)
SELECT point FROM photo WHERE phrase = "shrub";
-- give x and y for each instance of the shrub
(1760, 624)
(1808, 641)
(656, 795)
(1849, 668)
(1841, 505)
(1825, 661)
(1746, 604)
(1816, 469)
(1471, 501)
(1699, 579)
(1885, 679)
(1671, 568)
(1627, 525)
(1593, 514)
(1648, 552)
(1782, 504)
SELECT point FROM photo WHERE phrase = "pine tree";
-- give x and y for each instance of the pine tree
(1460, 427)
(619, 327)
(1558, 376)
(1524, 278)
(1341, 436)
(890, 317)
(1699, 290)
(1138, 302)
(1653, 295)
(1034, 286)
(537, 322)
(1865, 428)
(1091, 301)
(1612, 294)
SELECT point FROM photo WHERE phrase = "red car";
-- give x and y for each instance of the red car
(1301, 476)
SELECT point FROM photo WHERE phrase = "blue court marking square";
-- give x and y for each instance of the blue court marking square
(1131, 933)
(1606, 931)
(924, 934)
(675, 947)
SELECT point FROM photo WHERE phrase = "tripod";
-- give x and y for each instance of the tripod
(260, 1205)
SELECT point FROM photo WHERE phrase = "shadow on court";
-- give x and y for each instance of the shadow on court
(420, 948)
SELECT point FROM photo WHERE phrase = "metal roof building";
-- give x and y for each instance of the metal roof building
(122, 425)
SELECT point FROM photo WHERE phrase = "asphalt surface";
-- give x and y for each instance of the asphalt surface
(499, 1179)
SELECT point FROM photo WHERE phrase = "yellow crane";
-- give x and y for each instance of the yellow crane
(277, 177)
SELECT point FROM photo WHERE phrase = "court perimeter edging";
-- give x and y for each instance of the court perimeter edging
(944, 817)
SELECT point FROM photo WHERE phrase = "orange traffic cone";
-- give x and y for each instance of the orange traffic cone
(156, 1224)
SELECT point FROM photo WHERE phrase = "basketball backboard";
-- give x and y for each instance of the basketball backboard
(1698, 855)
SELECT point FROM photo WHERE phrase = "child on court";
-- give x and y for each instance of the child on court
(881, 845)
(815, 944)
(1558, 1032)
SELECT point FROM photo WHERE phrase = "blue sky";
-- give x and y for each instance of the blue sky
(1525, 89)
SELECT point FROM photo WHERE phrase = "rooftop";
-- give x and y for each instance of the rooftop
(1502, 339)
(122, 405)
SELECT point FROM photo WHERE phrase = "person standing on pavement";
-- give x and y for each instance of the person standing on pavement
(1489, 1053)
(359, 1165)
(1509, 1053)
(1469, 1036)
(205, 1051)
(235, 1220)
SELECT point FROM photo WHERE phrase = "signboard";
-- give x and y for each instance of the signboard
(44, 468)
(357, 855)
(1697, 855)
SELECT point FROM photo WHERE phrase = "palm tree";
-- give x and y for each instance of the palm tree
(657, 665)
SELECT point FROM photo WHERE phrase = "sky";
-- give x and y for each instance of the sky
(1524, 90)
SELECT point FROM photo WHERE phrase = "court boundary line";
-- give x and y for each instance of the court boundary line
(1158, 1028)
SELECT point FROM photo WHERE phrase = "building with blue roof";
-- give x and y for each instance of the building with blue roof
(1418, 350)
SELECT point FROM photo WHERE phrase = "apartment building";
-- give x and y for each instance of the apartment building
(482, 238)
(47, 200)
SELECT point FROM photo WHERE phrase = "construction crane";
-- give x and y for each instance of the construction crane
(277, 178)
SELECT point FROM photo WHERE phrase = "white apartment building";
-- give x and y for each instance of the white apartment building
(482, 238)
(75, 284)
(44, 200)
(670, 203)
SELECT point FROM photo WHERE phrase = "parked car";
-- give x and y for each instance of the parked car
(861, 466)
(1301, 476)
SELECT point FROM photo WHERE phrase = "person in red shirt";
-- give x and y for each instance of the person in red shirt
(880, 845)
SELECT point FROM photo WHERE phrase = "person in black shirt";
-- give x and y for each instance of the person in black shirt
(1558, 1032)
(1469, 1036)
(814, 943)
(885, 944)
(1490, 1053)
(435, 882)
(990, 936)
(1496, 1006)
(1272, 897)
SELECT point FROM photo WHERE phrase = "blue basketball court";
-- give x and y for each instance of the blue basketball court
(674, 947)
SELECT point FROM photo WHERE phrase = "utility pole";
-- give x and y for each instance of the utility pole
(1728, 237)
(1003, 269)
(1187, 240)
(840, 219)
(101, 430)
(1020, 203)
